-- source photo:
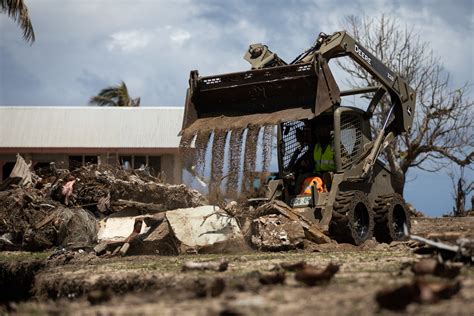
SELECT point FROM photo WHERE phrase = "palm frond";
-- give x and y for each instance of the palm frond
(124, 97)
(102, 101)
(136, 102)
(18, 11)
(110, 92)
(115, 96)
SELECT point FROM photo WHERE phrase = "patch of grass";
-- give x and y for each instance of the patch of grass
(7, 256)
(467, 271)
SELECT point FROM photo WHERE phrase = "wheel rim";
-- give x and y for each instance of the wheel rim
(361, 220)
(399, 220)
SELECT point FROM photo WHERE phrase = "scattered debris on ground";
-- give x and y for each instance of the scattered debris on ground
(202, 266)
(311, 275)
(419, 291)
(271, 278)
(433, 266)
(76, 281)
(436, 275)
(450, 246)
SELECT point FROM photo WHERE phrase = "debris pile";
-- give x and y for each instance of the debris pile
(119, 212)
(58, 207)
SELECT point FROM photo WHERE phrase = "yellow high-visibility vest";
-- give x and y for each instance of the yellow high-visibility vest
(323, 160)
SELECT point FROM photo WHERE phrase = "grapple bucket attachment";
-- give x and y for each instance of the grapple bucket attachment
(259, 97)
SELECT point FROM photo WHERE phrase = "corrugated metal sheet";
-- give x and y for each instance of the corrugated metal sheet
(90, 127)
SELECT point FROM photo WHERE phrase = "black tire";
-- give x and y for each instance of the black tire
(391, 214)
(352, 219)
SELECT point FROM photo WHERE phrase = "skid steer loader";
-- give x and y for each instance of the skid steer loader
(354, 200)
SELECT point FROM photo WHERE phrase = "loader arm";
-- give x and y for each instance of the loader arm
(402, 96)
(341, 44)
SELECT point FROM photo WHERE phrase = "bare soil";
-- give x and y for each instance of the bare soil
(155, 285)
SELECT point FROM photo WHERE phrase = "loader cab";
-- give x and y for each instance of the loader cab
(351, 134)
(296, 143)
(348, 131)
(347, 128)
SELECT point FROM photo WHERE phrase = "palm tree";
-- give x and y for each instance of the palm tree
(114, 96)
(18, 11)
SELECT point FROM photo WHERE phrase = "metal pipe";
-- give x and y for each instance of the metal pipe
(374, 153)
(388, 116)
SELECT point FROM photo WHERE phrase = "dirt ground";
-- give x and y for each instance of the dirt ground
(155, 285)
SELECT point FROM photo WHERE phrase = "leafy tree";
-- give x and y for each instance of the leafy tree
(442, 131)
(114, 96)
(18, 11)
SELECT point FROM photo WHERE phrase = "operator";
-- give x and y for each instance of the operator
(320, 159)
(323, 152)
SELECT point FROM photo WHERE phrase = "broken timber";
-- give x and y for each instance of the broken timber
(311, 230)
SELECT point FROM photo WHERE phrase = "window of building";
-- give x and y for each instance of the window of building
(139, 162)
(75, 162)
(42, 166)
(90, 159)
(126, 162)
(154, 162)
(7, 169)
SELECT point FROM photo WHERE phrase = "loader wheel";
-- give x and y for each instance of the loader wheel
(391, 214)
(352, 219)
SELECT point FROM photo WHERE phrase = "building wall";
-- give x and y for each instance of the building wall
(171, 168)
(170, 163)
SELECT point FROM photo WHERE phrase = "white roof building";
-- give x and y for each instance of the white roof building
(139, 135)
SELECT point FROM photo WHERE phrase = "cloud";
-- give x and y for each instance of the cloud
(138, 40)
(129, 41)
(18, 84)
(180, 36)
(215, 35)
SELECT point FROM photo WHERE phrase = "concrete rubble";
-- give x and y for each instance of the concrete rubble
(277, 233)
(197, 229)
(201, 229)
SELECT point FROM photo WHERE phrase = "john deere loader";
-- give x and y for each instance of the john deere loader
(354, 198)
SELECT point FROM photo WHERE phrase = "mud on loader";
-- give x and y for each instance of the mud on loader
(356, 199)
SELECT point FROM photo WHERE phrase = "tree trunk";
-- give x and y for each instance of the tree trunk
(398, 172)
(398, 180)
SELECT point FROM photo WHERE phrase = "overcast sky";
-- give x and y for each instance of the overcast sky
(83, 46)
